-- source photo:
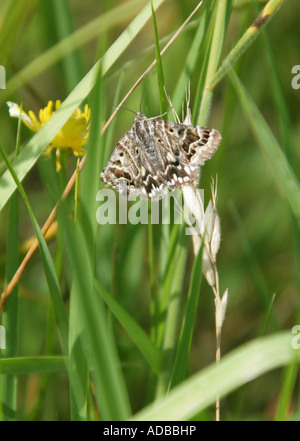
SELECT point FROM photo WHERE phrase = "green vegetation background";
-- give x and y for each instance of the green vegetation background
(259, 254)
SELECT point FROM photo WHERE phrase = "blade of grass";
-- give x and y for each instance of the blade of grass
(136, 333)
(285, 176)
(286, 140)
(58, 16)
(191, 61)
(45, 380)
(10, 317)
(245, 41)
(240, 366)
(222, 9)
(184, 345)
(289, 184)
(285, 399)
(166, 282)
(160, 73)
(14, 17)
(89, 180)
(43, 137)
(97, 339)
(152, 277)
(80, 37)
(281, 105)
(170, 338)
(268, 316)
(30, 365)
(261, 284)
(106, 149)
(50, 274)
(78, 364)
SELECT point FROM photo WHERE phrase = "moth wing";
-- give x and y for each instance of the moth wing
(122, 170)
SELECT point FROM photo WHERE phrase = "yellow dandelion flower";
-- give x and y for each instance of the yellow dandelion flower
(72, 136)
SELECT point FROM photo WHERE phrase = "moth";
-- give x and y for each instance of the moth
(157, 155)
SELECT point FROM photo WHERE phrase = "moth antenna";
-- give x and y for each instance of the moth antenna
(123, 107)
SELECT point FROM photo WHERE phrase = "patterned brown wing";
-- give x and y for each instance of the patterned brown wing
(193, 144)
(184, 148)
(123, 170)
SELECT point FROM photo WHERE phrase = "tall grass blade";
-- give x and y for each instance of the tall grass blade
(50, 274)
(137, 334)
(31, 365)
(64, 47)
(170, 303)
(181, 360)
(10, 316)
(245, 41)
(191, 61)
(221, 12)
(97, 340)
(286, 395)
(262, 288)
(160, 73)
(10, 319)
(166, 281)
(12, 23)
(59, 19)
(240, 366)
(284, 175)
(85, 215)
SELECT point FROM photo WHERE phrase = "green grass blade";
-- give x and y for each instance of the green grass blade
(288, 386)
(89, 182)
(245, 41)
(173, 315)
(261, 284)
(281, 105)
(201, 113)
(106, 149)
(286, 140)
(139, 337)
(97, 339)
(235, 369)
(31, 365)
(152, 278)
(10, 316)
(89, 178)
(159, 66)
(54, 288)
(50, 57)
(78, 365)
(285, 176)
(185, 340)
(35, 147)
(58, 17)
(191, 62)
(166, 281)
(269, 316)
(13, 20)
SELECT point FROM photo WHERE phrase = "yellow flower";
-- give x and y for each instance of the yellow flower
(72, 136)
